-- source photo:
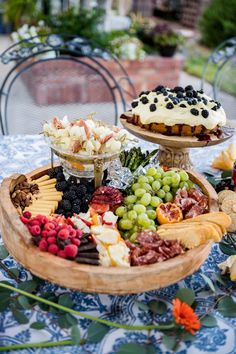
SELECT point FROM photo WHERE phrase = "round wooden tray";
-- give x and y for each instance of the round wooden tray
(88, 278)
(174, 150)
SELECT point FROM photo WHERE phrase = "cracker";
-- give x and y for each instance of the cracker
(228, 205)
(225, 193)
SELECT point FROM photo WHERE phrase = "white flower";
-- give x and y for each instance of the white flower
(15, 36)
(33, 31)
(229, 266)
(41, 23)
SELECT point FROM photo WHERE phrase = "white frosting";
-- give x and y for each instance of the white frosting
(178, 115)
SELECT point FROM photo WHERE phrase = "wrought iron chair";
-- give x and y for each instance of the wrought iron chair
(224, 60)
(60, 75)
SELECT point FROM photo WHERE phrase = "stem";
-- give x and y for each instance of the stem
(11, 275)
(84, 315)
(36, 345)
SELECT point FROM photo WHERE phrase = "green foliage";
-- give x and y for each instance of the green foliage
(169, 342)
(227, 306)
(218, 22)
(16, 11)
(131, 348)
(208, 321)
(3, 252)
(186, 295)
(168, 39)
(208, 282)
(96, 332)
(228, 245)
(75, 335)
(37, 325)
(158, 307)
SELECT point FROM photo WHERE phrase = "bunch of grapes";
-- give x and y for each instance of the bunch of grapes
(150, 190)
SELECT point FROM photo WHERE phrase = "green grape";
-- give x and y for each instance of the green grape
(161, 194)
(174, 190)
(183, 176)
(151, 214)
(156, 185)
(166, 188)
(175, 185)
(157, 176)
(125, 216)
(120, 211)
(152, 222)
(146, 199)
(139, 208)
(135, 186)
(190, 184)
(142, 179)
(150, 179)
(132, 215)
(152, 228)
(125, 224)
(149, 207)
(175, 178)
(145, 222)
(168, 197)
(146, 186)
(133, 237)
(168, 174)
(129, 207)
(155, 201)
(183, 184)
(126, 235)
(140, 192)
(151, 171)
(130, 199)
(160, 170)
(166, 180)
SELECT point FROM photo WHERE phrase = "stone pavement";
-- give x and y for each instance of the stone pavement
(26, 117)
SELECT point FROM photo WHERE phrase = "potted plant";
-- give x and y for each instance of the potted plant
(167, 40)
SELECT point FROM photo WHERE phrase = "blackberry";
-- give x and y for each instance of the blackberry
(52, 173)
(73, 187)
(72, 180)
(76, 209)
(76, 202)
(70, 195)
(81, 190)
(68, 214)
(66, 205)
(61, 186)
(58, 169)
(84, 208)
(60, 177)
(90, 189)
(87, 198)
(60, 211)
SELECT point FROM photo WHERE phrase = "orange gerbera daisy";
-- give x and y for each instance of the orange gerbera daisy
(185, 316)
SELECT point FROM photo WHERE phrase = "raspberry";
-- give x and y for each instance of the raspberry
(44, 233)
(51, 233)
(49, 226)
(34, 222)
(51, 240)
(43, 245)
(63, 234)
(71, 251)
(35, 230)
(53, 249)
(24, 220)
(27, 214)
(61, 254)
(72, 233)
(42, 219)
(75, 241)
(79, 233)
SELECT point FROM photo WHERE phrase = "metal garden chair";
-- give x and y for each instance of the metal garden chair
(60, 75)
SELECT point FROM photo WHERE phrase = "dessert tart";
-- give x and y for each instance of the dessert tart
(179, 111)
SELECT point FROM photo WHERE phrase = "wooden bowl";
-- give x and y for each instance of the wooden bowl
(88, 278)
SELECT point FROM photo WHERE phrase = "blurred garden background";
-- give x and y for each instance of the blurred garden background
(157, 41)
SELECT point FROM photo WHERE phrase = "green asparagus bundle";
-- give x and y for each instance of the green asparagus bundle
(134, 158)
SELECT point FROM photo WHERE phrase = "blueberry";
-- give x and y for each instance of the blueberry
(178, 89)
(205, 113)
(134, 104)
(194, 101)
(180, 94)
(141, 93)
(182, 105)
(165, 93)
(166, 99)
(152, 107)
(169, 105)
(189, 88)
(200, 91)
(194, 111)
(144, 100)
(159, 88)
(214, 108)
(189, 94)
(194, 93)
(155, 100)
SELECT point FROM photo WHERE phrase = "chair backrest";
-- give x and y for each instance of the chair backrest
(221, 65)
(60, 75)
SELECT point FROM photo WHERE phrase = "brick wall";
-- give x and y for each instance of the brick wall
(191, 12)
(58, 82)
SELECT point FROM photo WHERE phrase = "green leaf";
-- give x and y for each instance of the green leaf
(4, 302)
(71, 319)
(131, 348)
(226, 174)
(186, 295)
(209, 321)
(75, 335)
(169, 342)
(37, 325)
(208, 282)
(188, 337)
(20, 317)
(96, 331)
(227, 307)
(219, 279)
(65, 300)
(227, 249)
(157, 307)
(15, 271)
(3, 252)
(28, 285)
(23, 301)
(142, 306)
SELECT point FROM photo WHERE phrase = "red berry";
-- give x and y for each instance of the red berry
(43, 245)
(35, 230)
(24, 220)
(71, 251)
(49, 226)
(51, 240)
(63, 234)
(58, 228)
(44, 233)
(61, 254)
(72, 233)
(69, 222)
(53, 249)
(51, 233)
(27, 214)
(79, 233)
(42, 219)
(75, 241)
(34, 222)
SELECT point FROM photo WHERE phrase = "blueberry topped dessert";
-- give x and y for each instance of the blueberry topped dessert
(179, 111)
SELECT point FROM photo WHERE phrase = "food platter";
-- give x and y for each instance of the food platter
(88, 278)
(174, 150)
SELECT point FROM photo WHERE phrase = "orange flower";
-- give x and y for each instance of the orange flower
(185, 316)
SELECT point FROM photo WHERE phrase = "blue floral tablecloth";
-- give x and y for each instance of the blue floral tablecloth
(25, 153)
